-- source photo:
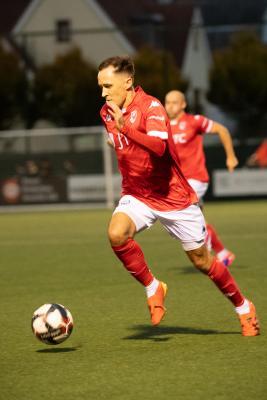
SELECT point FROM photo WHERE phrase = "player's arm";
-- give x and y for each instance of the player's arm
(226, 140)
(155, 144)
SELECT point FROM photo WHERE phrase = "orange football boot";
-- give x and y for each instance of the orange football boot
(249, 322)
(156, 304)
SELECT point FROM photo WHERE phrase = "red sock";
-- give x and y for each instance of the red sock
(132, 257)
(222, 278)
(216, 243)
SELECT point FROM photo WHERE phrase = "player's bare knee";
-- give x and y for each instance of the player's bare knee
(201, 263)
(116, 236)
(200, 258)
(120, 229)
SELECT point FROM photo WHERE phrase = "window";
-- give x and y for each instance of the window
(63, 30)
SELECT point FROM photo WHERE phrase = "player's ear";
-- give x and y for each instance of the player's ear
(129, 82)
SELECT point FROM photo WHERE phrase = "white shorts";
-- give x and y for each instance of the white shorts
(187, 225)
(199, 187)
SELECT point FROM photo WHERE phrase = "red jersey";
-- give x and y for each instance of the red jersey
(188, 138)
(156, 181)
(261, 154)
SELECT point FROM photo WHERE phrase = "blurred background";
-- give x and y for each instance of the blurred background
(52, 144)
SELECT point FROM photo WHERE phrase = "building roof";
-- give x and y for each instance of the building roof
(10, 12)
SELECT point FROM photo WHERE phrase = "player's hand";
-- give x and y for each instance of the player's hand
(231, 163)
(116, 113)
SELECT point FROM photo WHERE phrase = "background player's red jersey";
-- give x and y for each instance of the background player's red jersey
(261, 154)
(188, 138)
(156, 181)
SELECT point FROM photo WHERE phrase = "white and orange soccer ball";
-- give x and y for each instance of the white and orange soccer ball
(52, 323)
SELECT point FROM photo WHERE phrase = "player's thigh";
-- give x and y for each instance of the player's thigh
(139, 213)
(187, 225)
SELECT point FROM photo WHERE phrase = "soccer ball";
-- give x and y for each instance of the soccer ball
(52, 323)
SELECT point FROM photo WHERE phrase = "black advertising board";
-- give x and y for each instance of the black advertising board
(33, 190)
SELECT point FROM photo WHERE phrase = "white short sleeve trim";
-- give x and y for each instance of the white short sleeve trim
(210, 125)
(160, 134)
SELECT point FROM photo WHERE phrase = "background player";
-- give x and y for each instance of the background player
(188, 131)
(153, 187)
(259, 157)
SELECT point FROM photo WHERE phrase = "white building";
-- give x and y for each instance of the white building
(50, 27)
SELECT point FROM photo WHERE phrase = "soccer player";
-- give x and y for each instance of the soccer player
(154, 188)
(259, 157)
(188, 131)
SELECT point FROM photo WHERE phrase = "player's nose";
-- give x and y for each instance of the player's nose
(104, 93)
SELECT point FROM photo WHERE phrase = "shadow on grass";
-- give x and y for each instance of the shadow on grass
(58, 350)
(238, 266)
(165, 333)
(188, 270)
(185, 269)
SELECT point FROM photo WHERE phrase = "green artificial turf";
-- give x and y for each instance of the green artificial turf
(113, 353)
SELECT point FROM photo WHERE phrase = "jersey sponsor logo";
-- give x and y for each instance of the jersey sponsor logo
(157, 117)
(179, 138)
(108, 118)
(154, 104)
(133, 116)
(119, 141)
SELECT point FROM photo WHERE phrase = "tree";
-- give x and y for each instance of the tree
(13, 89)
(157, 72)
(238, 81)
(65, 91)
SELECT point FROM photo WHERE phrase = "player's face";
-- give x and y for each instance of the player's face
(114, 85)
(174, 105)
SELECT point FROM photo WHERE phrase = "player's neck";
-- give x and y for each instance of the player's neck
(129, 98)
(180, 115)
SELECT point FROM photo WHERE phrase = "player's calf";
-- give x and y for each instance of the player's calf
(222, 278)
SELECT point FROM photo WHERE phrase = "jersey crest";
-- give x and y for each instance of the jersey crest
(133, 116)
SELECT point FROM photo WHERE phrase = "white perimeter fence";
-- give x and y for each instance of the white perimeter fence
(23, 150)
